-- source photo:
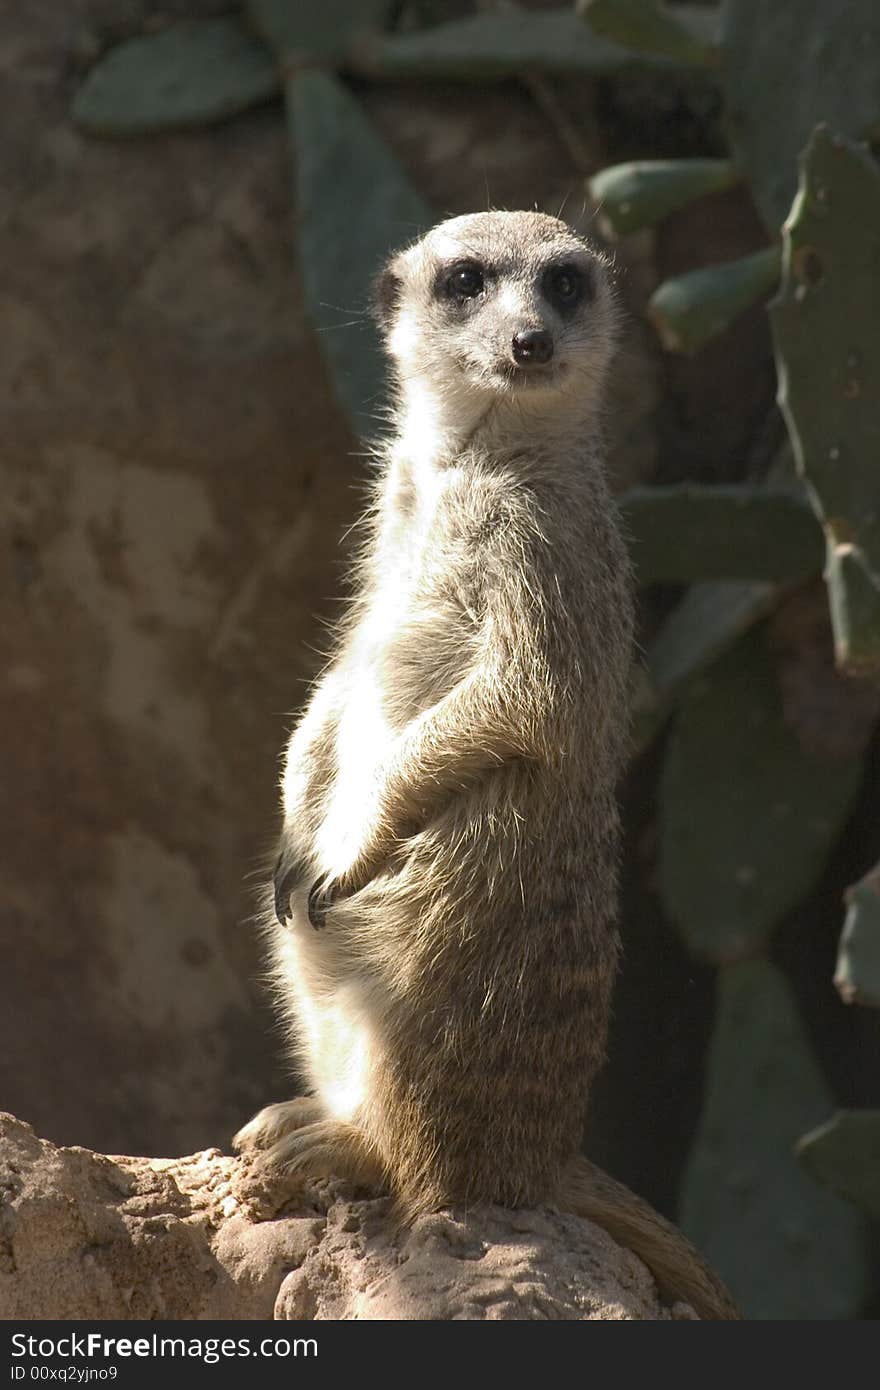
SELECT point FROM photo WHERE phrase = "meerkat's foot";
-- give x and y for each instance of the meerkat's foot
(292, 868)
(274, 1123)
(328, 1149)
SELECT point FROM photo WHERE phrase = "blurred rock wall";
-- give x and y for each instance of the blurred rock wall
(174, 480)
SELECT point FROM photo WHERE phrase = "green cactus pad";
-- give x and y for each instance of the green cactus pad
(311, 33)
(687, 34)
(844, 1154)
(346, 227)
(787, 66)
(786, 1248)
(493, 46)
(192, 74)
(825, 328)
(748, 816)
(686, 532)
(691, 309)
(854, 599)
(640, 194)
(703, 624)
(857, 976)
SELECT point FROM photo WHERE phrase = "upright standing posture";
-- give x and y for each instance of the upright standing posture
(444, 933)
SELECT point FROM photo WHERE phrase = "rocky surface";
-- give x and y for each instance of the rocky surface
(83, 1235)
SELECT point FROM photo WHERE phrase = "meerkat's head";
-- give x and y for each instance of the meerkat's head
(500, 305)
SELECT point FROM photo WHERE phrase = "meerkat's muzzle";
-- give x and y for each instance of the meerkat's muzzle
(532, 347)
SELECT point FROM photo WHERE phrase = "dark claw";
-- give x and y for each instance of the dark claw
(320, 898)
(289, 871)
(283, 888)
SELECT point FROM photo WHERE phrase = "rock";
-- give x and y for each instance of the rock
(83, 1235)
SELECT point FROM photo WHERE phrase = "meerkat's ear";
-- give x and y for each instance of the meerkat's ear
(387, 289)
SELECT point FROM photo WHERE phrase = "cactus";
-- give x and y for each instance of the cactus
(825, 333)
(787, 1248)
(780, 72)
(199, 72)
(855, 610)
(686, 532)
(687, 34)
(787, 67)
(640, 194)
(368, 195)
(191, 74)
(324, 33)
(702, 626)
(857, 976)
(503, 44)
(693, 308)
(844, 1154)
(748, 816)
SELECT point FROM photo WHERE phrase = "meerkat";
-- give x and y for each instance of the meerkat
(443, 914)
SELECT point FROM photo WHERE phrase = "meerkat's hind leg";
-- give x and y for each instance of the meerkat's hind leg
(271, 1125)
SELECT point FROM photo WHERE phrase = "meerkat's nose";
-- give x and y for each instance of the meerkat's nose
(532, 347)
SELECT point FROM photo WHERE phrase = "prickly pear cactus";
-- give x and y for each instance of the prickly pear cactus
(748, 815)
(501, 43)
(844, 1154)
(784, 68)
(690, 309)
(191, 74)
(825, 329)
(312, 33)
(787, 1248)
(787, 67)
(643, 192)
(857, 976)
(370, 195)
(686, 33)
(688, 532)
(705, 623)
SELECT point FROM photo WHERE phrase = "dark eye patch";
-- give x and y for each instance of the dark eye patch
(566, 286)
(463, 281)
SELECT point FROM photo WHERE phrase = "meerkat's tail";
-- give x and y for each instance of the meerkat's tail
(678, 1268)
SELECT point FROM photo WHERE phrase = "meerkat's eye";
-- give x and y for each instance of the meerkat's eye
(464, 281)
(565, 285)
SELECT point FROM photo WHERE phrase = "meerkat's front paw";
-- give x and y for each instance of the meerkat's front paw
(327, 892)
(335, 888)
(275, 1122)
(292, 868)
(328, 1149)
(287, 1147)
(321, 898)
